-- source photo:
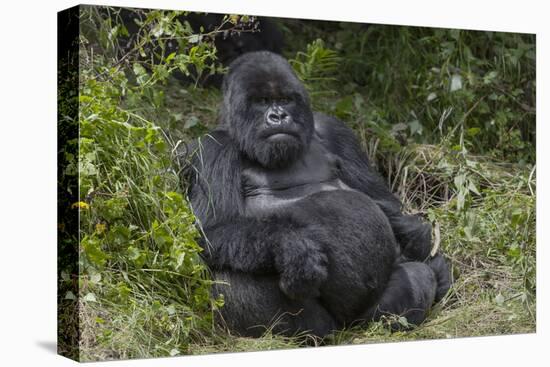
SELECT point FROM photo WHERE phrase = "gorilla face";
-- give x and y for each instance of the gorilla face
(266, 109)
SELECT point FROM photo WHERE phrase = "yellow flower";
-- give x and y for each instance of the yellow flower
(81, 205)
(100, 227)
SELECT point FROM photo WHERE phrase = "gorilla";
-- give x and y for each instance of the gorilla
(302, 235)
(259, 34)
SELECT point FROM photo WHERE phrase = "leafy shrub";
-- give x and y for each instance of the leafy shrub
(139, 266)
(414, 84)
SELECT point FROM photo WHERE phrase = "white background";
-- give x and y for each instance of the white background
(28, 181)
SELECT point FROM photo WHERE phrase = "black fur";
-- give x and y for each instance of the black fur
(262, 34)
(304, 231)
(231, 40)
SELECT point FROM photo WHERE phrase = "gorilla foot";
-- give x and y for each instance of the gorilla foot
(442, 273)
(255, 304)
(410, 293)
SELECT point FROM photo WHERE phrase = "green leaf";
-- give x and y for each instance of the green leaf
(399, 127)
(140, 72)
(460, 200)
(490, 77)
(93, 251)
(469, 233)
(343, 107)
(90, 297)
(472, 187)
(137, 256)
(65, 276)
(456, 82)
(459, 181)
(195, 38)
(403, 321)
(170, 57)
(156, 305)
(518, 217)
(190, 122)
(473, 131)
(416, 127)
(95, 278)
(514, 252)
(171, 310)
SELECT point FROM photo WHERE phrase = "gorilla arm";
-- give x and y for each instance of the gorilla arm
(274, 244)
(277, 243)
(232, 241)
(413, 235)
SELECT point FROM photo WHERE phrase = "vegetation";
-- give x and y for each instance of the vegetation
(447, 116)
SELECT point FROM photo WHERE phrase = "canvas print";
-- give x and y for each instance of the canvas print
(233, 183)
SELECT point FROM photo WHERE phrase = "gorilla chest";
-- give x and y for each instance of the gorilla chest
(269, 190)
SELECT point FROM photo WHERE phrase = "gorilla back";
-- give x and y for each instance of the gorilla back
(305, 236)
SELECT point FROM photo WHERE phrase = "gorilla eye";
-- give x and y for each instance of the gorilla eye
(269, 100)
(261, 100)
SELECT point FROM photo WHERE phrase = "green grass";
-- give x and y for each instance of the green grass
(462, 157)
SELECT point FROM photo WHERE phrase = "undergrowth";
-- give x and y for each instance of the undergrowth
(447, 117)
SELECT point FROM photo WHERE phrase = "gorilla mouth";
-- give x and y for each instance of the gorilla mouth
(281, 136)
(280, 133)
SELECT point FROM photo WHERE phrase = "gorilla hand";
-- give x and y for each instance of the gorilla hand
(302, 267)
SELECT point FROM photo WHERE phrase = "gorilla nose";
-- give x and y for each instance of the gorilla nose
(276, 117)
(273, 118)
